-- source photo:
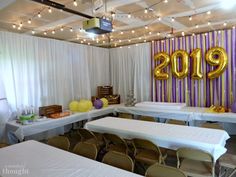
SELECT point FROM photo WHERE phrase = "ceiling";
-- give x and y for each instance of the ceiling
(162, 19)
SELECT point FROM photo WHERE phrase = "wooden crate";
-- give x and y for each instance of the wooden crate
(113, 99)
(48, 110)
(104, 90)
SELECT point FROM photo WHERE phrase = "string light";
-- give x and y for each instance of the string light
(172, 19)
(150, 32)
(193, 34)
(81, 42)
(196, 26)
(129, 40)
(33, 32)
(75, 3)
(113, 30)
(133, 31)
(14, 26)
(165, 1)
(158, 34)
(29, 21)
(121, 32)
(39, 15)
(190, 18)
(113, 14)
(120, 41)
(19, 28)
(103, 42)
(146, 11)
(45, 33)
(53, 31)
(159, 18)
(88, 43)
(49, 10)
(144, 40)
(97, 41)
(233, 27)
(183, 33)
(146, 27)
(21, 24)
(139, 38)
(225, 24)
(62, 29)
(71, 29)
(209, 23)
(129, 15)
(208, 12)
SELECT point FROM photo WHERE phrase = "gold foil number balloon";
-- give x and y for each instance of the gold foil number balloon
(183, 55)
(165, 58)
(217, 56)
(196, 70)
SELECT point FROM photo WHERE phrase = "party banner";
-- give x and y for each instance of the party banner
(201, 92)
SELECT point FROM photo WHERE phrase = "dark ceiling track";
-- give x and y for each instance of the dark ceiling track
(62, 7)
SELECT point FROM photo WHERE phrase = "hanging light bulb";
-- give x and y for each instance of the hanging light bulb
(71, 29)
(225, 24)
(172, 19)
(190, 18)
(113, 14)
(29, 21)
(146, 27)
(14, 26)
(62, 29)
(45, 33)
(129, 15)
(39, 15)
(75, 3)
(146, 11)
(159, 18)
(53, 31)
(208, 12)
(33, 32)
(21, 24)
(49, 10)
(183, 33)
(196, 26)
(19, 28)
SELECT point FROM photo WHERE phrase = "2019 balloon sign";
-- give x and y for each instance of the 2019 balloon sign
(215, 56)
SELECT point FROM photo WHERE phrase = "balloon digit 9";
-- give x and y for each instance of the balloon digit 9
(216, 56)
(165, 58)
(184, 57)
(196, 56)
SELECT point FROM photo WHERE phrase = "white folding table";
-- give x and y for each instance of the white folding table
(164, 135)
(34, 159)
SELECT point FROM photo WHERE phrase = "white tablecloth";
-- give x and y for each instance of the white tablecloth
(164, 135)
(21, 131)
(34, 159)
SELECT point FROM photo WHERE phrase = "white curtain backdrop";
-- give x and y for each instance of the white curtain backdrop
(39, 71)
(130, 69)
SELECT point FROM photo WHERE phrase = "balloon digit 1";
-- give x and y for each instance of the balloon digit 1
(216, 56)
(174, 67)
(165, 58)
(196, 57)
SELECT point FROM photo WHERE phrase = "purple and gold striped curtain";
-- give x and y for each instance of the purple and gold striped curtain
(204, 92)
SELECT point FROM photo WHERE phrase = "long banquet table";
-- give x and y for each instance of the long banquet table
(185, 113)
(164, 135)
(34, 159)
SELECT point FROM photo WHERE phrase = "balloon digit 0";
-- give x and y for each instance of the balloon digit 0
(184, 58)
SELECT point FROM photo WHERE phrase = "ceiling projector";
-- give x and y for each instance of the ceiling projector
(97, 26)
